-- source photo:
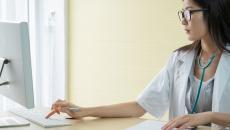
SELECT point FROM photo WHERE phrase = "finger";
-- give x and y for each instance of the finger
(70, 113)
(50, 113)
(59, 103)
(168, 124)
(184, 126)
(55, 107)
(65, 110)
(58, 109)
(176, 124)
(54, 104)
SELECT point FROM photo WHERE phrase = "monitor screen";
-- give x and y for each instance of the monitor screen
(16, 76)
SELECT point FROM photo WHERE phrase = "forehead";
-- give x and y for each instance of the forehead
(189, 4)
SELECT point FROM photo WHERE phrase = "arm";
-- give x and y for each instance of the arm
(129, 109)
(222, 119)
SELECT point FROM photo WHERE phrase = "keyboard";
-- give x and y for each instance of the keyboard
(38, 117)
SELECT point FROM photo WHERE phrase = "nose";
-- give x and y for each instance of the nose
(184, 22)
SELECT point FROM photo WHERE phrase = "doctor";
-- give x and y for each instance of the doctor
(195, 83)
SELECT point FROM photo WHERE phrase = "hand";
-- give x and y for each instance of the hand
(191, 120)
(64, 106)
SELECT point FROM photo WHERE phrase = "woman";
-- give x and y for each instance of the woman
(195, 83)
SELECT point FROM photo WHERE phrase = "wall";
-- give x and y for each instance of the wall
(117, 46)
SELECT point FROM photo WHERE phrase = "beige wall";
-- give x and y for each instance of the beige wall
(117, 46)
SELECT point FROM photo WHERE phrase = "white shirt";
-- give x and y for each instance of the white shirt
(205, 99)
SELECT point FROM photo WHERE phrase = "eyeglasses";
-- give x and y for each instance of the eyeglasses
(186, 14)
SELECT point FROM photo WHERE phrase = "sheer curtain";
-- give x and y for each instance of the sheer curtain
(47, 23)
(13, 10)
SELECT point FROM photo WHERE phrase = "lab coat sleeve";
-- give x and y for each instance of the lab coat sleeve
(155, 97)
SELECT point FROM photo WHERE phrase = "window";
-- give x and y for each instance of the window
(47, 24)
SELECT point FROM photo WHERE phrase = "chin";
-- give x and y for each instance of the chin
(190, 38)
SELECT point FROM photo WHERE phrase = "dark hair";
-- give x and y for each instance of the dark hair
(218, 21)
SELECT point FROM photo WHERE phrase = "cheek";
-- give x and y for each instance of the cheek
(198, 29)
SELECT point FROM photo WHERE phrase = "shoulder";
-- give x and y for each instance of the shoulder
(181, 55)
(183, 51)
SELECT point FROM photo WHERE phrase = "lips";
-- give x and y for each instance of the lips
(187, 31)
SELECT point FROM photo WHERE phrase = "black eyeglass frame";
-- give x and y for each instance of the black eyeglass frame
(190, 13)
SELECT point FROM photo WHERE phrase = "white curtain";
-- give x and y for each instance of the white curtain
(47, 24)
(13, 10)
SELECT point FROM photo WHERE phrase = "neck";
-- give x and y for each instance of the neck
(208, 46)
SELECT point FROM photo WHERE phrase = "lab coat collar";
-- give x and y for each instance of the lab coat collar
(187, 58)
(186, 61)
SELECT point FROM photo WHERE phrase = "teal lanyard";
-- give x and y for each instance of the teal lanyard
(203, 67)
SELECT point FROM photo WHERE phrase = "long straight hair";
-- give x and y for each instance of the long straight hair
(217, 19)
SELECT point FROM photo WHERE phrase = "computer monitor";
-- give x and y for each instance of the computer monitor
(15, 63)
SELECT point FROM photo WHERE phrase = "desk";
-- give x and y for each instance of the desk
(91, 124)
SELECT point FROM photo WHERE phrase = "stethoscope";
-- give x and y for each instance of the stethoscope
(203, 67)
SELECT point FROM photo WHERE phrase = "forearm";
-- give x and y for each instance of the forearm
(129, 109)
(222, 119)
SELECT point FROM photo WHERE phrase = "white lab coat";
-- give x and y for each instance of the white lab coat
(168, 89)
